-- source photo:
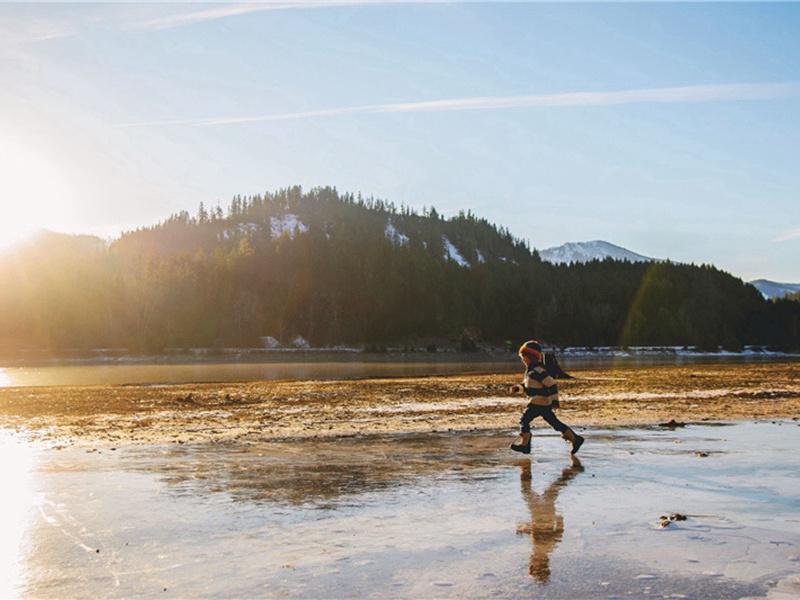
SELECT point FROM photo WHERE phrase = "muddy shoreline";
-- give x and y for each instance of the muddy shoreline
(110, 416)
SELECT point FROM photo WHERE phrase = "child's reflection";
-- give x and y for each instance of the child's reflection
(546, 526)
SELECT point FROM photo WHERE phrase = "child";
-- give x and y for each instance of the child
(543, 392)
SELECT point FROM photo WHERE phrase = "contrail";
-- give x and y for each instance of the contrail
(667, 95)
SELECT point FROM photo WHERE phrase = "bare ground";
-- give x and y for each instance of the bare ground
(108, 416)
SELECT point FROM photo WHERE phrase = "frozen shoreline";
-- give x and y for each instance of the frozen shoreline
(101, 356)
(422, 515)
(116, 415)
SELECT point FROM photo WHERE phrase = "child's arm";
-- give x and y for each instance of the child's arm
(552, 390)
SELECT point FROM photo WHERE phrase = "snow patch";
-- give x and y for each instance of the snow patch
(241, 228)
(452, 253)
(270, 343)
(287, 224)
(663, 352)
(301, 343)
(395, 236)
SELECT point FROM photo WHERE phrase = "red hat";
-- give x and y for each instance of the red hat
(531, 349)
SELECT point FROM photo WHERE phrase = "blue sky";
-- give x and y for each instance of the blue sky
(672, 129)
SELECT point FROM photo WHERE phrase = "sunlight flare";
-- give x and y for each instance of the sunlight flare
(15, 507)
(35, 192)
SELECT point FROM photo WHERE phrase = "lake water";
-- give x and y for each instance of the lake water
(169, 370)
(113, 374)
(414, 516)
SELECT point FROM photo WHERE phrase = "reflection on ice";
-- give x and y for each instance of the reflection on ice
(424, 516)
(316, 473)
(546, 527)
(16, 501)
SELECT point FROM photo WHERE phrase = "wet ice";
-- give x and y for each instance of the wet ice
(447, 515)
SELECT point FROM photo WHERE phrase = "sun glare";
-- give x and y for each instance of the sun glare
(15, 511)
(35, 193)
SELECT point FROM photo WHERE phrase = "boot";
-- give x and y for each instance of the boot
(573, 438)
(523, 445)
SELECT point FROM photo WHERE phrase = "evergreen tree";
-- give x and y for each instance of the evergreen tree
(360, 271)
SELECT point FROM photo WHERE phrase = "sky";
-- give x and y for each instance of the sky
(671, 129)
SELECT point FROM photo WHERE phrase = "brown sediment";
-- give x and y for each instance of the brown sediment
(134, 414)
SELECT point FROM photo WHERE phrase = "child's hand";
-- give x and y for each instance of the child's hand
(516, 388)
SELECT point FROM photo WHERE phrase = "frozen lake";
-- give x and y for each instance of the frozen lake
(411, 516)
(345, 366)
(192, 372)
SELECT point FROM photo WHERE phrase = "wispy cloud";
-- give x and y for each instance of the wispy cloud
(669, 95)
(199, 16)
(786, 236)
(212, 14)
(15, 30)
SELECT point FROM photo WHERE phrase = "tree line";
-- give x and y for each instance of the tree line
(338, 269)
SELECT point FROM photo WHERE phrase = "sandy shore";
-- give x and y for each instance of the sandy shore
(108, 416)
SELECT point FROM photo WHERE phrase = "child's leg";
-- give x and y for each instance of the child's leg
(525, 420)
(566, 433)
(524, 443)
(552, 420)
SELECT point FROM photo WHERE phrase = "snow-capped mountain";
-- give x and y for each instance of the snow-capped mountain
(581, 252)
(773, 289)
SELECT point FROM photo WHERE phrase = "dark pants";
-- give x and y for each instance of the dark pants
(535, 410)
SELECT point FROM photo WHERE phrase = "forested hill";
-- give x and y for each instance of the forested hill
(323, 217)
(336, 269)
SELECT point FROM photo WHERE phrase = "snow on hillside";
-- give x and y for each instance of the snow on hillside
(774, 289)
(395, 236)
(241, 228)
(581, 252)
(452, 253)
(278, 226)
(450, 250)
(286, 224)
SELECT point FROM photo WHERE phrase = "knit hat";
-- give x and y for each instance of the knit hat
(531, 349)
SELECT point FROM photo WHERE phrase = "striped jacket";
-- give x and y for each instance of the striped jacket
(539, 385)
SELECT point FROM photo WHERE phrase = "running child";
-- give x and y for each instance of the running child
(542, 390)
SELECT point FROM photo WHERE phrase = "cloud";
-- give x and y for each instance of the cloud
(199, 16)
(668, 95)
(15, 30)
(698, 93)
(786, 236)
(212, 14)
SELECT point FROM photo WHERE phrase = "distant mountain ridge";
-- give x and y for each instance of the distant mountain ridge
(774, 289)
(339, 270)
(583, 252)
(571, 252)
(46, 241)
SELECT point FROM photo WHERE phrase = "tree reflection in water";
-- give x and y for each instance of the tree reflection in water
(547, 526)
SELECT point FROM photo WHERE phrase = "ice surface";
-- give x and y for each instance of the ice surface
(420, 516)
